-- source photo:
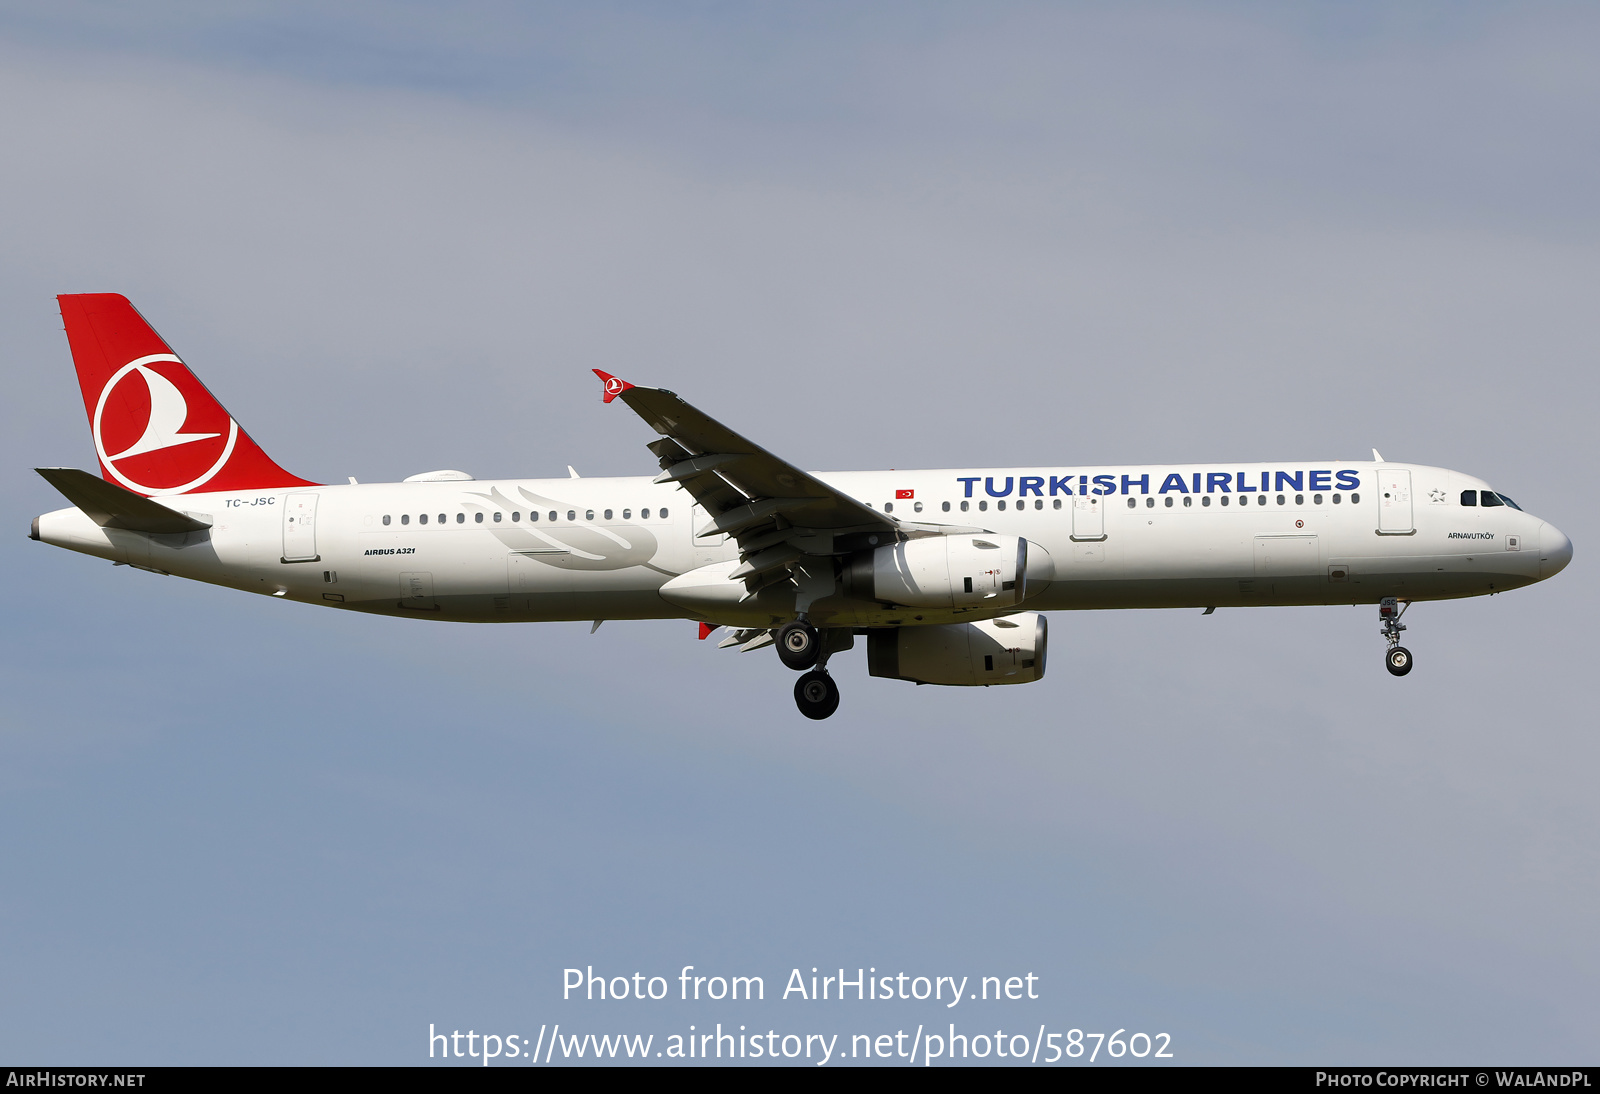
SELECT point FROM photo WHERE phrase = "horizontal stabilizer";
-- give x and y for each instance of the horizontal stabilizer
(110, 506)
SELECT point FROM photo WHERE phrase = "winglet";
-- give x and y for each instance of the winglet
(705, 628)
(612, 385)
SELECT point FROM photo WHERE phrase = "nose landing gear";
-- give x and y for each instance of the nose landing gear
(1398, 660)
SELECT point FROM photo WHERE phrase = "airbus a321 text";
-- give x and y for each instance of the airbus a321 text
(944, 574)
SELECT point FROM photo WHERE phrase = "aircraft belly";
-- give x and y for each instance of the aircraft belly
(546, 607)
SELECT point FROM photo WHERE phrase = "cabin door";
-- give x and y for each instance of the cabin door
(300, 528)
(1394, 502)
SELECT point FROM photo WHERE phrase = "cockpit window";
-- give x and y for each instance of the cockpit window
(1469, 497)
(1509, 502)
(1489, 498)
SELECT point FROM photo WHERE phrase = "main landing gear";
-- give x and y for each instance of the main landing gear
(800, 647)
(816, 694)
(1398, 659)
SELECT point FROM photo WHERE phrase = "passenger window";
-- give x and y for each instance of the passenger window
(1316, 499)
(588, 514)
(983, 506)
(461, 518)
(1057, 503)
(627, 514)
(1299, 499)
(386, 519)
(1038, 503)
(1000, 505)
(533, 516)
(1133, 503)
(1169, 503)
(497, 516)
(515, 517)
(553, 515)
(405, 518)
(888, 507)
(423, 519)
(1149, 503)
(662, 513)
(1282, 500)
(1187, 502)
(644, 514)
(1262, 500)
(1355, 499)
(608, 514)
(916, 507)
(1205, 502)
(1491, 498)
(1224, 499)
(1469, 497)
(572, 514)
(478, 518)
(964, 506)
(944, 507)
(1337, 498)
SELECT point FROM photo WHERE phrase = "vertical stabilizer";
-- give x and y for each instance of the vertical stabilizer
(156, 428)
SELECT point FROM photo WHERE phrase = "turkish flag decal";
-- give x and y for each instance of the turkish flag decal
(904, 495)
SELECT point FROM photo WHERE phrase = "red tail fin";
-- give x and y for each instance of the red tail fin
(156, 428)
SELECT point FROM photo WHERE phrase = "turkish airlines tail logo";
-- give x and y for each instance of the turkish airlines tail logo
(157, 430)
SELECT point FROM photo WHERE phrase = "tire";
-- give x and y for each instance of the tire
(1398, 661)
(816, 695)
(798, 645)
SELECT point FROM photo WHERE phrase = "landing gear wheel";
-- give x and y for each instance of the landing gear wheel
(1398, 661)
(816, 695)
(798, 647)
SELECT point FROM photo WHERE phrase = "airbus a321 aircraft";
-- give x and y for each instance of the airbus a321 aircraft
(945, 574)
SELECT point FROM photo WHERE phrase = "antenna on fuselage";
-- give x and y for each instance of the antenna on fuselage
(1377, 457)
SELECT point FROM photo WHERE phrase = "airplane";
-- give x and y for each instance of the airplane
(946, 574)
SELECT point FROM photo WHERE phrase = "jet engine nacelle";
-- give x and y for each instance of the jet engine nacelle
(956, 571)
(1009, 650)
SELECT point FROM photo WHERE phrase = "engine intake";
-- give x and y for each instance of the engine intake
(1008, 650)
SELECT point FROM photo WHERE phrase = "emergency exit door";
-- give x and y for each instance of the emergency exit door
(300, 528)
(707, 549)
(1088, 517)
(1394, 502)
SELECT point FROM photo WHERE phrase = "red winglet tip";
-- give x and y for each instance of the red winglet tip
(705, 628)
(611, 385)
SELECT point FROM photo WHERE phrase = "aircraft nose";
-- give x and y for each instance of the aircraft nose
(1555, 551)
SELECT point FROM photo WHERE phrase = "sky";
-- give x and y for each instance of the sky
(397, 237)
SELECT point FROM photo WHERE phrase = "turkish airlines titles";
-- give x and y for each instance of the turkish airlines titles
(1198, 482)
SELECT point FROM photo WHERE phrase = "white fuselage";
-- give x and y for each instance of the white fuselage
(602, 548)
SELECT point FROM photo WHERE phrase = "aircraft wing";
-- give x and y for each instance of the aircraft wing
(776, 512)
